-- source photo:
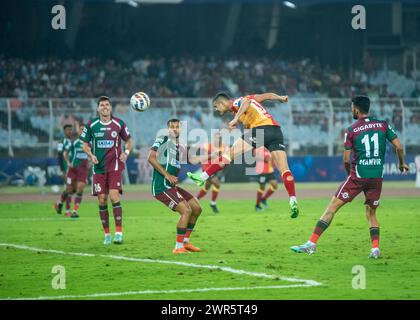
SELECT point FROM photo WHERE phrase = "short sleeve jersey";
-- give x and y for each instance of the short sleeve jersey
(255, 115)
(106, 139)
(169, 155)
(367, 138)
(64, 145)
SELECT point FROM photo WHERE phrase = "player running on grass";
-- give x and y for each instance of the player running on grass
(264, 169)
(64, 145)
(213, 181)
(105, 134)
(249, 111)
(367, 139)
(78, 164)
(165, 158)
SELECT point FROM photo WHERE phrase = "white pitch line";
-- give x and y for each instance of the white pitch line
(127, 293)
(304, 282)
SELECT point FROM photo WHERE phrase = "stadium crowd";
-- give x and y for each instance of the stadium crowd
(178, 77)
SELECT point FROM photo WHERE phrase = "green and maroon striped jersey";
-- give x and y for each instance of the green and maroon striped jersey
(63, 145)
(76, 154)
(105, 140)
(367, 138)
(170, 154)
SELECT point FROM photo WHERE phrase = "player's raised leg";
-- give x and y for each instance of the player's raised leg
(239, 147)
(322, 224)
(280, 161)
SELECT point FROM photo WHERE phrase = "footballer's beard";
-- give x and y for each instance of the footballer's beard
(106, 113)
(354, 116)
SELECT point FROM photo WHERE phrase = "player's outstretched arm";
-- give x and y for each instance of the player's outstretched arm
(158, 167)
(399, 150)
(270, 96)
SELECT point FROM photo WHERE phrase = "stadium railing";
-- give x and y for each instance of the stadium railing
(311, 126)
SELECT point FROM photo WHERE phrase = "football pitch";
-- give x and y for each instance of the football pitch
(245, 253)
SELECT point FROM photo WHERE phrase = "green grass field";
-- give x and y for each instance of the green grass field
(237, 238)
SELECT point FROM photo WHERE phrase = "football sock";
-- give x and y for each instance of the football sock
(259, 196)
(268, 193)
(214, 194)
(103, 213)
(289, 183)
(116, 208)
(320, 227)
(63, 197)
(190, 228)
(374, 236)
(180, 235)
(215, 167)
(77, 201)
(202, 193)
(68, 202)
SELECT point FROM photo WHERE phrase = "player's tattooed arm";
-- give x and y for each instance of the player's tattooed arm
(158, 167)
(399, 150)
(270, 96)
(346, 161)
(88, 151)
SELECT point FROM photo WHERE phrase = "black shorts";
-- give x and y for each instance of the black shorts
(273, 137)
(265, 177)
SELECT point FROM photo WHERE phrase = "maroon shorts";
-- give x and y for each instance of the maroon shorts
(173, 196)
(77, 174)
(352, 186)
(103, 182)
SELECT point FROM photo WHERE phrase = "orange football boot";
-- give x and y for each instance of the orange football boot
(191, 248)
(180, 251)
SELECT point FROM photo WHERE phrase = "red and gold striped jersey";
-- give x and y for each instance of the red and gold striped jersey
(255, 116)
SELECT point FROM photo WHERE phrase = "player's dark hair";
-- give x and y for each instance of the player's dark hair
(67, 126)
(221, 95)
(103, 98)
(362, 103)
(172, 121)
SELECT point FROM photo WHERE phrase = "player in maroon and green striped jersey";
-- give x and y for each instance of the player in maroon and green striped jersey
(103, 137)
(367, 139)
(78, 170)
(63, 146)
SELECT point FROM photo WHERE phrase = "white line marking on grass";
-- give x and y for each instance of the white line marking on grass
(127, 293)
(304, 282)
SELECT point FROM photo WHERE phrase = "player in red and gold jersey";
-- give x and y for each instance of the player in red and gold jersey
(263, 131)
(216, 147)
(264, 168)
